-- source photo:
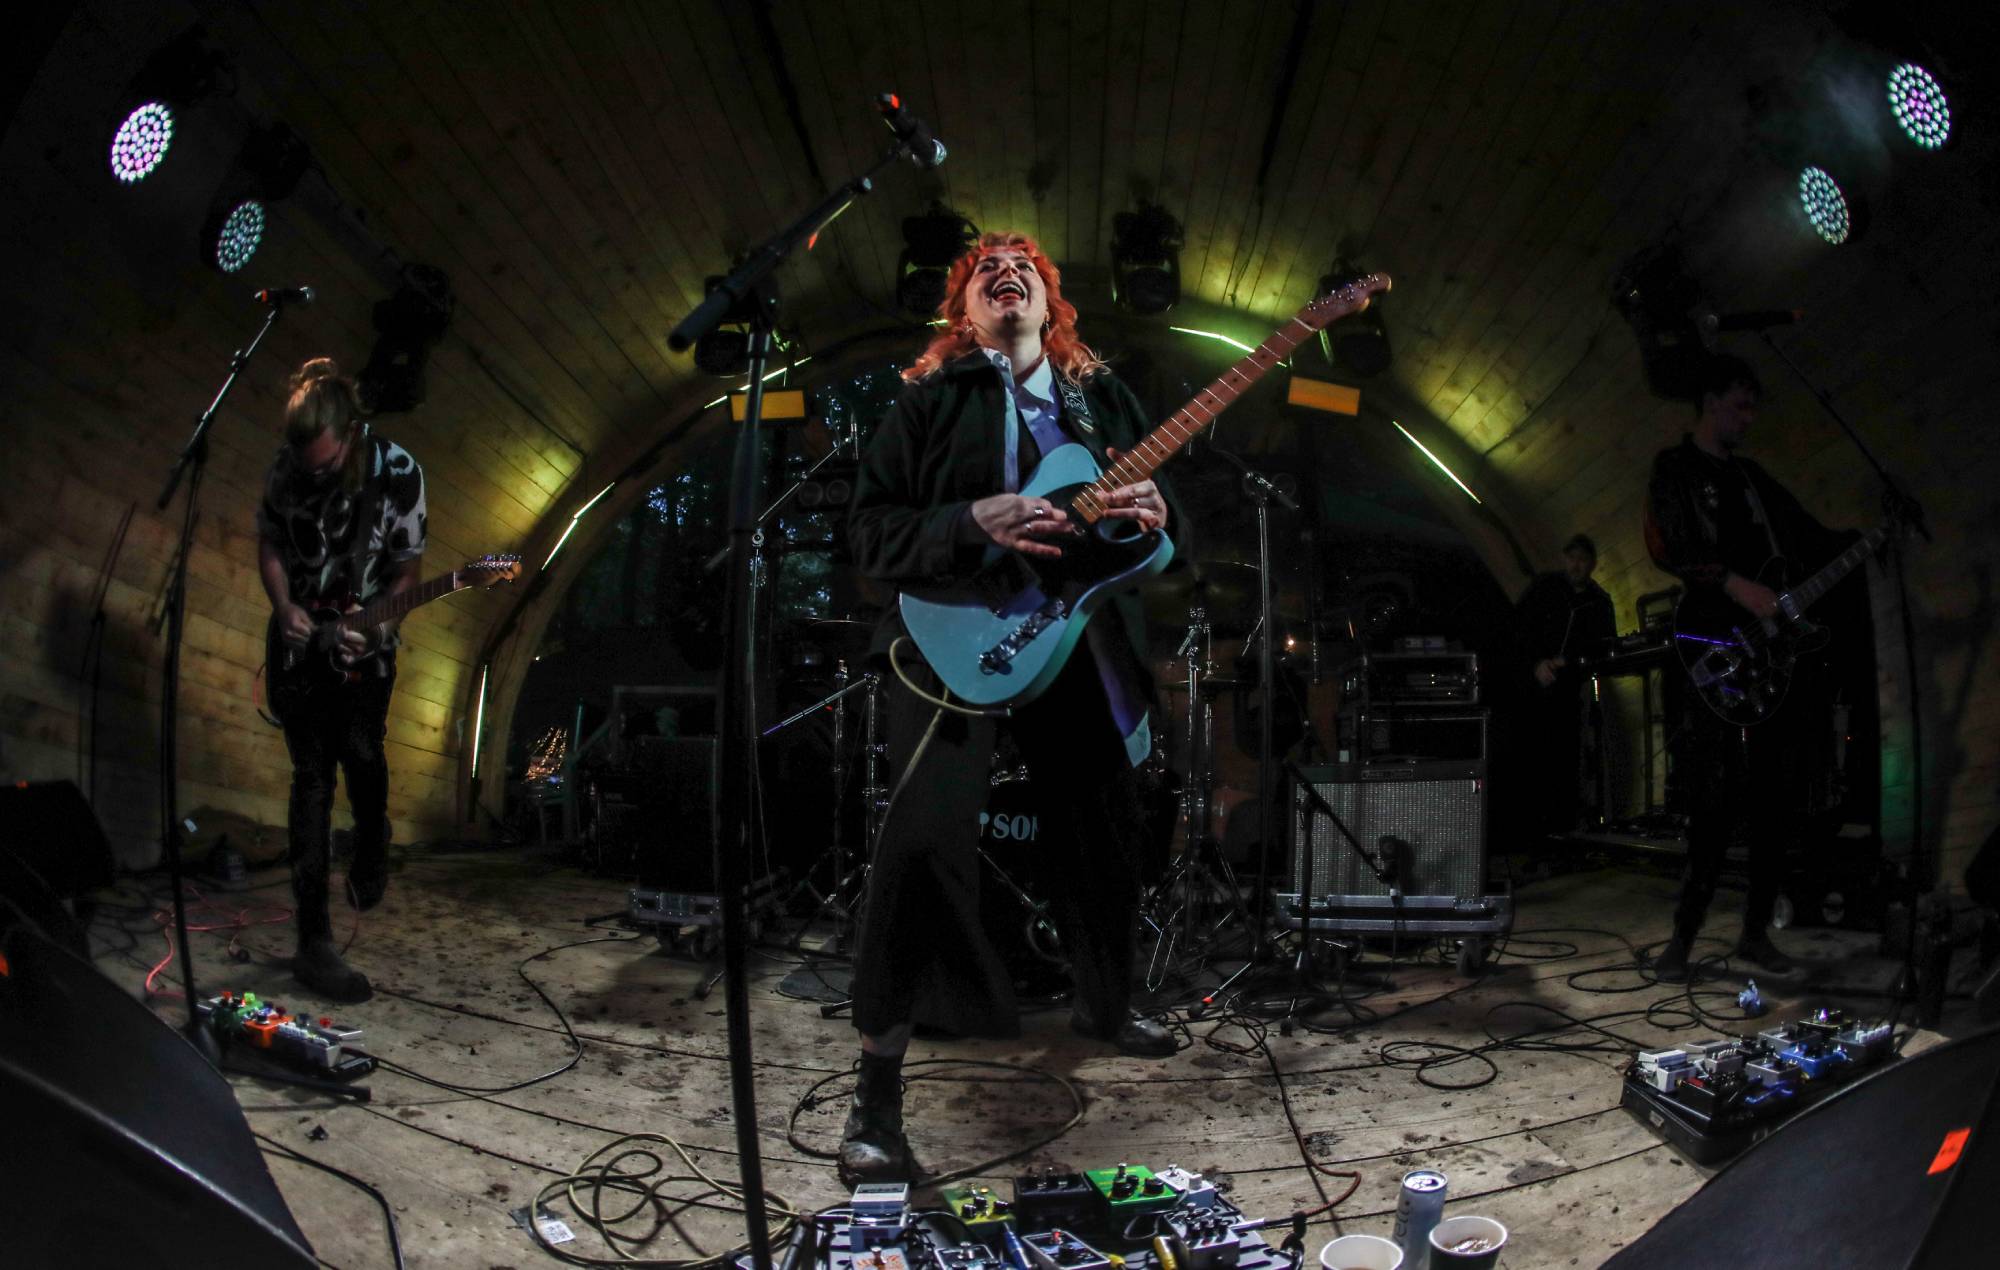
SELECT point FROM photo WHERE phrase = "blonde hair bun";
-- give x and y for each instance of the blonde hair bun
(315, 370)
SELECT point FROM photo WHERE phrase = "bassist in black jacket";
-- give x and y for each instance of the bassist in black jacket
(1005, 382)
(1713, 520)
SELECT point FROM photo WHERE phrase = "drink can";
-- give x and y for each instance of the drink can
(1419, 1206)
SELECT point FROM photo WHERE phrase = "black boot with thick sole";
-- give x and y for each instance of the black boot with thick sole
(872, 1146)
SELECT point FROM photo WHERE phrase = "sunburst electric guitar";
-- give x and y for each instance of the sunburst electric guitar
(296, 668)
(1000, 637)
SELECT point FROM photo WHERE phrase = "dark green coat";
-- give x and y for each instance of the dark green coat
(939, 450)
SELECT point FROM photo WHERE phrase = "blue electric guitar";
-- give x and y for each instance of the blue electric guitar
(1000, 637)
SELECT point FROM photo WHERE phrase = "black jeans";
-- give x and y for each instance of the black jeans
(921, 935)
(1739, 781)
(326, 724)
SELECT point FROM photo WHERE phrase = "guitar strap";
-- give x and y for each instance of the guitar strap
(1076, 405)
(368, 518)
(1757, 509)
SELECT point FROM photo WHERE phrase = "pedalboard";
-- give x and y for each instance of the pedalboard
(1713, 1098)
(321, 1046)
(1057, 1221)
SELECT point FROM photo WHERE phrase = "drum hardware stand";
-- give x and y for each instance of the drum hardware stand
(1263, 492)
(1170, 907)
(849, 867)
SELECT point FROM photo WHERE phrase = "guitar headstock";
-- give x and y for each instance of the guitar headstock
(491, 570)
(1348, 297)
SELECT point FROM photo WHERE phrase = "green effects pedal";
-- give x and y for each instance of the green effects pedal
(1130, 1190)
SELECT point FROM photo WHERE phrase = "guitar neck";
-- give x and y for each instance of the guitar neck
(1167, 440)
(387, 607)
(1812, 589)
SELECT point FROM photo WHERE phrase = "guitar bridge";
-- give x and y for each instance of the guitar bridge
(997, 659)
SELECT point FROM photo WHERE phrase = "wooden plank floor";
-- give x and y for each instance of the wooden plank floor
(1543, 1145)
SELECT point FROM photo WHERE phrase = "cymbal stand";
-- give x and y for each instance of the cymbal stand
(848, 867)
(1173, 908)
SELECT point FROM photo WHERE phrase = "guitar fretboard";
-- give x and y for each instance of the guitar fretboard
(1167, 439)
(386, 607)
(1813, 588)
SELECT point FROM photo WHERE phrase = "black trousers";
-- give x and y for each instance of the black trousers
(326, 724)
(920, 935)
(1739, 782)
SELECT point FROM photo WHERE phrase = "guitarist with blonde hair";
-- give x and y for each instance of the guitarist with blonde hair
(341, 523)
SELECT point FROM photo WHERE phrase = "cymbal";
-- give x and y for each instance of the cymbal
(835, 626)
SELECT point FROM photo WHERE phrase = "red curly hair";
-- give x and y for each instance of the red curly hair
(1068, 355)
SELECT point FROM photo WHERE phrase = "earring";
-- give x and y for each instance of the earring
(1045, 327)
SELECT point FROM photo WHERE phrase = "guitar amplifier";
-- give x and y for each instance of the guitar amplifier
(1434, 812)
(1413, 678)
(676, 811)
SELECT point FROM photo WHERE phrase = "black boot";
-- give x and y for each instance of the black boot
(1671, 966)
(367, 878)
(320, 968)
(872, 1146)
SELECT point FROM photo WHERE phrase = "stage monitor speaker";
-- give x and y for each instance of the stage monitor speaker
(1899, 1169)
(51, 849)
(113, 1119)
(678, 827)
(1436, 810)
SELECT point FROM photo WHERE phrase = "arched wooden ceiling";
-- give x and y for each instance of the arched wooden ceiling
(579, 169)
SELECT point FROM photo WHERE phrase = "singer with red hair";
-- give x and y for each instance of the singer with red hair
(937, 498)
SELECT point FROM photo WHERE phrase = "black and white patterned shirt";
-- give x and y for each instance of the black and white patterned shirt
(313, 526)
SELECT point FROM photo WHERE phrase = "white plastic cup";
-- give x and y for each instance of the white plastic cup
(1456, 1230)
(1361, 1252)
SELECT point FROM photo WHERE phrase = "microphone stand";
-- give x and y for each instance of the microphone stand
(749, 285)
(1911, 511)
(1263, 493)
(192, 463)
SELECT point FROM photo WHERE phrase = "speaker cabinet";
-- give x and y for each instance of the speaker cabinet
(677, 811)
(1427, 820)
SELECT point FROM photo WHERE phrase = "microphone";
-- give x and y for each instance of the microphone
(926, 151)
(1753, 320)
(282, 296)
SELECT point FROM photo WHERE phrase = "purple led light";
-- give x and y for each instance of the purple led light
(141, 142)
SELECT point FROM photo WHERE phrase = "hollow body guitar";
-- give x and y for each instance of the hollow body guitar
(1001, 637)
(1742, 666)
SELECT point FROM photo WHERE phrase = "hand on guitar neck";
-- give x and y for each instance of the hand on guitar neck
(1760, 600)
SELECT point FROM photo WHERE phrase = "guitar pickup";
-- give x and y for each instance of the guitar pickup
(997, 659)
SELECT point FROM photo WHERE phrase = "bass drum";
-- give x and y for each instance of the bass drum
(1012, 876)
